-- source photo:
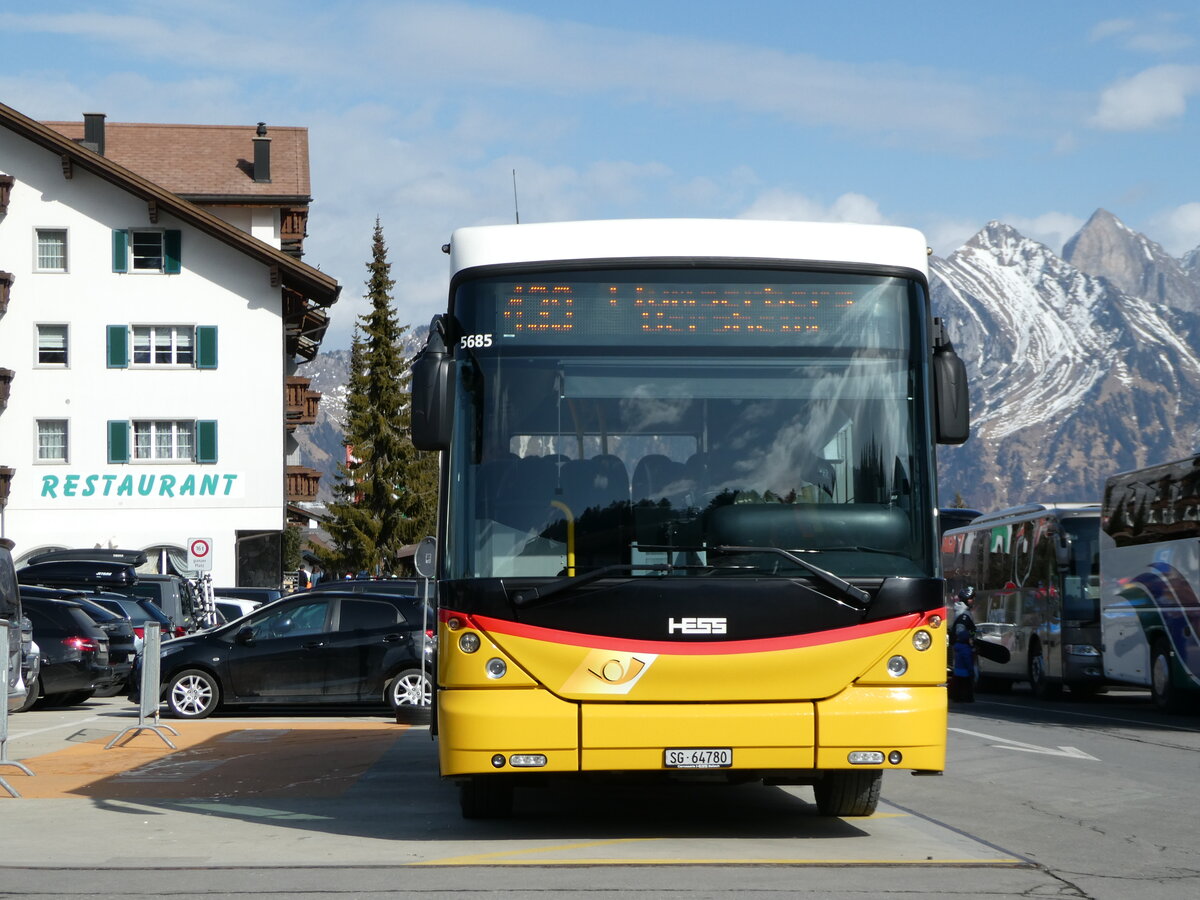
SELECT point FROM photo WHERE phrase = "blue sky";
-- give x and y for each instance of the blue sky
(937, 115)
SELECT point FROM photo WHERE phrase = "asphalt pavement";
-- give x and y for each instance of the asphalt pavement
(301, 790)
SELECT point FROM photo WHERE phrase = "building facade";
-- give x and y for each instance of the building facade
(148, 345)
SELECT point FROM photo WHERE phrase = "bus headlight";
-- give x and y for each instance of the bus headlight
(897, 666)
(922, 640)
(496, 667)
(469, 642)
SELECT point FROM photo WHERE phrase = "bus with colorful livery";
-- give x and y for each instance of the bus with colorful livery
(688, 501)
(1036, 574)
(1150, 580)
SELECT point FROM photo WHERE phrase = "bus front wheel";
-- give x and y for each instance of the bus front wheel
(1166, 698)
(485, 797)
(849, 793)
(1043, 688)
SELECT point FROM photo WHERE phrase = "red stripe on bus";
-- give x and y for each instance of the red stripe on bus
(693, 648)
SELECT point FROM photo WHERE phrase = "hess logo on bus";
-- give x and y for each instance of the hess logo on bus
(697, 625)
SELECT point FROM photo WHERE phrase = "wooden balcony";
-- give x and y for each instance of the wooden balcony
(302, 403)
(6, 377)
(6, 282)
(302, 484)
(303, 325)
(6, 476)
(293, 229)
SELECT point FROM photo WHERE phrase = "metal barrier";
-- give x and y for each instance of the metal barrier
(148, 697)
(4, 760)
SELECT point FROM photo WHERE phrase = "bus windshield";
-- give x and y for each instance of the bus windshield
(685, 418)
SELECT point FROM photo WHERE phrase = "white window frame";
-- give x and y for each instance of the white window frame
(152, 333)
(37, 250)
(134, 258)
(162, 441)
(37, 345)
(62, 460)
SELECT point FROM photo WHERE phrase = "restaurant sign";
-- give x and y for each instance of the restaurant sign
(159, 485)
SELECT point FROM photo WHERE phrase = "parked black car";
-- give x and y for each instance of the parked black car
(74, 651)
(325, 648)
(122, 642)
(412, 587)
(115, 570)
(261, 594)
(139, 611)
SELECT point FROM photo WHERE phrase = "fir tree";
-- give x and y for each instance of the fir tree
(384, 496)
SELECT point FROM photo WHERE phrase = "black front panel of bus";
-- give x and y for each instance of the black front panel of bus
(643, 608)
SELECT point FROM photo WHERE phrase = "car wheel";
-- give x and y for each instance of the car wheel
(848, 793)
(193, 694)
(35, 689)
(1166, 698)
(485, 797)
(411, 687)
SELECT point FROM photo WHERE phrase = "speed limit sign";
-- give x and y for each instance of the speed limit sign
(199, 554)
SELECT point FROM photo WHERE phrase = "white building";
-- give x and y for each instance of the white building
(147, 345)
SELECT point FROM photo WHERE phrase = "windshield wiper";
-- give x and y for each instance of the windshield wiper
(857, 596)
(543, 592)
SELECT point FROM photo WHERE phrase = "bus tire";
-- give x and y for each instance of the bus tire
(848, 793)
(1041, 686)
(1162, 688)
(485, 797)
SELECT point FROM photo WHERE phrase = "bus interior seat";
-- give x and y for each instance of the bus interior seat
(596, 491)
(659, 491)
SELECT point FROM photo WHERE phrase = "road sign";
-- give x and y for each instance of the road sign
(199, 554)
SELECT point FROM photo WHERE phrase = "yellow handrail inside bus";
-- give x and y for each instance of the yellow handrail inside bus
(570, 535)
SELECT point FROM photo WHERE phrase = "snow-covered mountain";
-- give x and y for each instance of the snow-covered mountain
(1081, 365)
(1075, 374)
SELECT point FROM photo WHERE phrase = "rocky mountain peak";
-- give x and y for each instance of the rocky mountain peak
(1106, 247)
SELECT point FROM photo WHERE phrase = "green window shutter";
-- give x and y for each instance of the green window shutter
(206, 441)
(206, 346)
(120, 250)
(118, 347)
(172, 251)
(118, 441)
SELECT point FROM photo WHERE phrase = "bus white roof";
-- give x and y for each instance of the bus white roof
(685, 238)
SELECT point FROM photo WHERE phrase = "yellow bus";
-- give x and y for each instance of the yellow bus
(688, 506)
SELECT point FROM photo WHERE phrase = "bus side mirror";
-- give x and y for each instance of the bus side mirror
(952, 402)
(433, 391)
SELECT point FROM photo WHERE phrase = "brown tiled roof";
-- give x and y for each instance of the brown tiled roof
(205, 160)
(309, 283)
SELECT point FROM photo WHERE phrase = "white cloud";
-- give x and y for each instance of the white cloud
(1159, 34)
(1178, 229)
(1147, 99)
(451, 43)
(945, 235)
(780, 204)
(1052, 228)
(1111, 27)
